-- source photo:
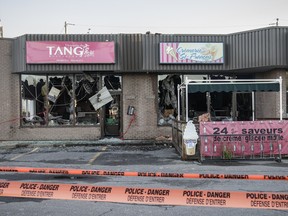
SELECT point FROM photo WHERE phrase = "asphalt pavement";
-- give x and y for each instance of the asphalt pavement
(125, 156)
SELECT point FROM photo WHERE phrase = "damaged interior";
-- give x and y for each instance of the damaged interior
(220, 105)
(65, 100)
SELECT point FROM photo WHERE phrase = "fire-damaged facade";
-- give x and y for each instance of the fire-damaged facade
(89, 87)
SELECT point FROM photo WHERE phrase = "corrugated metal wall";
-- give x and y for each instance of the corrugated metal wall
(131, 51)
(257, 48)
(245, 51)
(19, 54)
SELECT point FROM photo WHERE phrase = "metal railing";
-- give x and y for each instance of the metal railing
(229, 146)
(177, 136)
(240, 146)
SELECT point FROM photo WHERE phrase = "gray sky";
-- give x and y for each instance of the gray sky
(20, 17)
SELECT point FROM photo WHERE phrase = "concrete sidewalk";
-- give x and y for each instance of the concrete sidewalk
(106, 141)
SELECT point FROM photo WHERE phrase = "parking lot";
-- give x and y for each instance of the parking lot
(131, 158)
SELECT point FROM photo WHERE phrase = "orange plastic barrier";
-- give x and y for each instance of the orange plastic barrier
(140, 174)
(148, 196)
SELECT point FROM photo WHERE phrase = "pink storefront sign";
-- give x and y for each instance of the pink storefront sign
(70, 52)
(244, 138)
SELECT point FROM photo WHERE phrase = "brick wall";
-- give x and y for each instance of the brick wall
(9, 86)
(58, 133)
(267, 104)
(140, 91)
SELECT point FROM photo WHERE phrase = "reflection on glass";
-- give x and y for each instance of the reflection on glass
(33, 100)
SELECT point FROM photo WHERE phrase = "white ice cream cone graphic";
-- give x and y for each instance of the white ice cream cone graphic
(170, 51)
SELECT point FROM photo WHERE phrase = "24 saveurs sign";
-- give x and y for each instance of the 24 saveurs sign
(69, 52)
(191, 53)
(244, 138)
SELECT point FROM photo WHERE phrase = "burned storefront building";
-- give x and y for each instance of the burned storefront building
(88, 87)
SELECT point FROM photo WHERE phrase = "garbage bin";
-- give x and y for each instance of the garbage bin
(190, 138)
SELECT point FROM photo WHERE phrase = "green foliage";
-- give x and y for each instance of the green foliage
(227, 154)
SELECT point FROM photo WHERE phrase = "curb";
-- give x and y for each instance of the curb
(65, 143)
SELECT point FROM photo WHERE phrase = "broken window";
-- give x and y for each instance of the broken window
(33, 99)
(86, 86)
(112, 82)
(167, 98)
(59, 100)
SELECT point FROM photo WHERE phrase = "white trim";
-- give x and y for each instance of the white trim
(281, 103)
(178, 102)
(253, 106)
(232, 81)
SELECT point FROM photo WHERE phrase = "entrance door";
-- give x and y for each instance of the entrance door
(112, 117)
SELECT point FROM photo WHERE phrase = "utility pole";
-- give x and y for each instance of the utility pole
(66, 25)
(277, 22)
(1, 30)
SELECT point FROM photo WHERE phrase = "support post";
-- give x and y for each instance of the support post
(280, 93)
(187, 102)
(178, 102)
(253, 106)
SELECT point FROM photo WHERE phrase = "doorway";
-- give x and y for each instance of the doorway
(112, 117)
(111, 122)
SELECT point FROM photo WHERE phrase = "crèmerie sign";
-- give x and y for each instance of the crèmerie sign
(69, 52)
(191, 53)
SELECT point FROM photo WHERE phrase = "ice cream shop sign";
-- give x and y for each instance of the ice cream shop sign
(191, 53)
(67, 52)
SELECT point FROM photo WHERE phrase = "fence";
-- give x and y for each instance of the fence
(177, 136)
(239, 146)
(228, 146)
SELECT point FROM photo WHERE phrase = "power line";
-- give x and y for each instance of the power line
(126, 27)
(162, 26)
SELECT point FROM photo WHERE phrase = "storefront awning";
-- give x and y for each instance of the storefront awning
(233, 87)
